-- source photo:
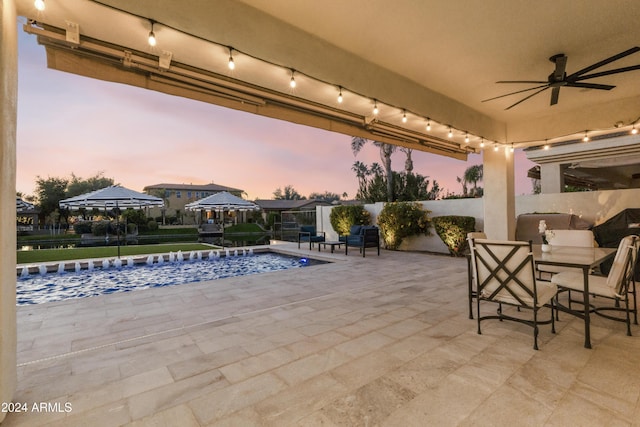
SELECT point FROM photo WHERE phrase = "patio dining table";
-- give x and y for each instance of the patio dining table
(575, 257)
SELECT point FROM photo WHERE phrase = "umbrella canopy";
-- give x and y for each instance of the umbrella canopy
(22, 206)
(222, 201)
(111, 197)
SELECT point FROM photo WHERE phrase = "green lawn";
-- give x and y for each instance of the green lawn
(49, 255)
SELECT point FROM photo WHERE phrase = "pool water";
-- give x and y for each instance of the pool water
(43, 288)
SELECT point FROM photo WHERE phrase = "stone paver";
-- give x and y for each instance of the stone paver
(361, 341)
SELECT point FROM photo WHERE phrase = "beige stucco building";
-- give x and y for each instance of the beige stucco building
(175, 196)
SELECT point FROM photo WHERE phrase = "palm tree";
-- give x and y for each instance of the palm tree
(408, 163)
(472, 175)
(386, 150)
(463, 181)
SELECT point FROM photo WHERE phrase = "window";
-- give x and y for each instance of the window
(188, 194)
(178, 194)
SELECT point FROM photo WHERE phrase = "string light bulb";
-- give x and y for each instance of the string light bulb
(232, 65)
(39, 5)
(586, 137)
(428, 125)
(152, 36)
(634, 131)
(511, 148)
(495, 147)
(450, 134)
(340, 95)
(466, 137)
(481, 142)
(404, 116)
(292, 82)
(546, 146)
(375, 107)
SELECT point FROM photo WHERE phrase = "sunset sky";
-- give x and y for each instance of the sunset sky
(72, 124)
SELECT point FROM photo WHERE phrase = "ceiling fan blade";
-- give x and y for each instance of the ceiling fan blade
(527, 97)
(513, 93)
(523, 81)
(590, 86)
(604, 62)
(606, 73)
(561, 64)
(555, 94)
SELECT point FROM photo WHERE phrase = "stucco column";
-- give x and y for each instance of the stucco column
(499, 197)
(8, 113)
(552, 177)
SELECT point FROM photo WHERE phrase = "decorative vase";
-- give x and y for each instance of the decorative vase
(546, 247)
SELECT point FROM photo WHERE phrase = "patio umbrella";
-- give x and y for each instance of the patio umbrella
(22, 206)
(111, 197)
(222, 201)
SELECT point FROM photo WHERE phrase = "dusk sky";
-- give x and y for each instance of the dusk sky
(72, 124)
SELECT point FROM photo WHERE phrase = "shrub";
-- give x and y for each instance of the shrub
(343, 217)
(453, 231)
(398, 220)
(152, 225)
(99, 228)
(83, 227)
(132, 228)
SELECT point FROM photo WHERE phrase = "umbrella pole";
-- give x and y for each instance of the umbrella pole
(118, 227)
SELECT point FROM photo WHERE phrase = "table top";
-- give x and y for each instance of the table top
(572, 256)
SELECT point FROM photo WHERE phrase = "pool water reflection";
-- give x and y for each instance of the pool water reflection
(43, 288)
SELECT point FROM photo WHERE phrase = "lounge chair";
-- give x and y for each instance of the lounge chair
(362, 237)
(309, 234)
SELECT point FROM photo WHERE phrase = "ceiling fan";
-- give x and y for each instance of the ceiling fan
(559, 77)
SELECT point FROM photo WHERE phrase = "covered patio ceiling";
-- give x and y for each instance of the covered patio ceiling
(431, 61)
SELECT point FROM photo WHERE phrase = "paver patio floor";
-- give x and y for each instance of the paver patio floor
(369, 341)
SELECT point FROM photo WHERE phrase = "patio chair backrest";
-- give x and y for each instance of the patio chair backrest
(308, 229)
(505, 271)
(623, 265)
(470, 237)
(581, 238)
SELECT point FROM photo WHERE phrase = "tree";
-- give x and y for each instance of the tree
(77, 185)
(289, 193)
(326, 196)
(49, 192)
(406, 186)
(386, 150)
(473, 174)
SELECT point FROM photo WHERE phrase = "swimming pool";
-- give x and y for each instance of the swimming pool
(49, 287)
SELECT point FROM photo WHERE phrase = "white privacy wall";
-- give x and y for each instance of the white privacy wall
(593, 206)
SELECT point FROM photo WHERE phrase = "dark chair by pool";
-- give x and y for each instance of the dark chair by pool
(309, 234)
(362, 237)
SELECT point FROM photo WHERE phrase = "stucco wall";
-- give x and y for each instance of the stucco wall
(594, 207)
